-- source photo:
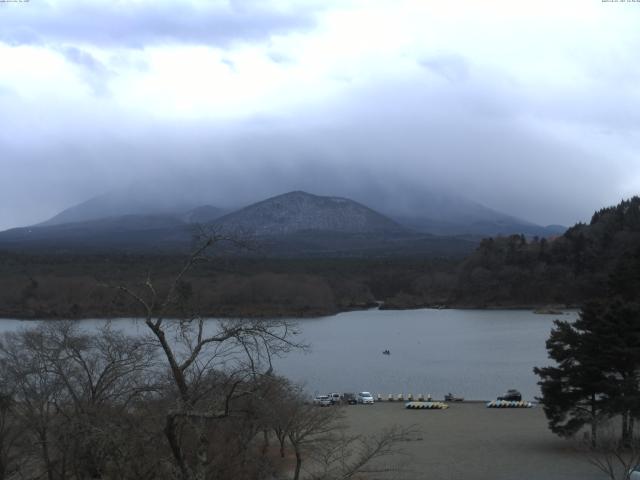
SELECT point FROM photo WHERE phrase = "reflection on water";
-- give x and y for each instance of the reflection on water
(477, 354)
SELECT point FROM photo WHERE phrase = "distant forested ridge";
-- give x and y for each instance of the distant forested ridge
(509, 271)
(81, 286)
(568, 269)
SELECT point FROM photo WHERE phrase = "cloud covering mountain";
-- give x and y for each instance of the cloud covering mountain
(529, 109)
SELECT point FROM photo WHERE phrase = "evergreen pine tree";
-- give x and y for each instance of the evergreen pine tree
(597, 371)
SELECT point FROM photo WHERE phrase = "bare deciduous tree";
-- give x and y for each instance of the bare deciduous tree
(319, 436)
(349, 456)
(9, 434)
(193, 348)
(73, 392)
(612, 456)
(37, 392)
(310, 426)
(193, 399)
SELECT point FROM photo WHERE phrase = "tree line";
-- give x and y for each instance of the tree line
(513, 270)
(569, 269)
(596, 376)
(189, 399)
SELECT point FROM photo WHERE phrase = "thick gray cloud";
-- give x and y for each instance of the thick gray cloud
(452, 67)
(384, 154)
(92, 70)
(140, 24)
(539, 129)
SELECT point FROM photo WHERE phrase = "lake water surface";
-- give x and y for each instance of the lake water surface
(474, 353)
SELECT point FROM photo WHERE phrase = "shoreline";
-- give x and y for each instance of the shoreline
(539, 309)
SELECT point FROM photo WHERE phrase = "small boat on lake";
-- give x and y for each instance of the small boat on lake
(450, 397)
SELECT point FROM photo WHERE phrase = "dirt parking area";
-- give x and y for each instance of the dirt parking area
(470, 441)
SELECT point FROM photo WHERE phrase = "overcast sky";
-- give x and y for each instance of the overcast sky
(529, 107)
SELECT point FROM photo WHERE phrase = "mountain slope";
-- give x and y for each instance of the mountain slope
(481, 228)
(298, 211)
(447, 213)
(127, 232)
(568, 270)
(295, 224)
(426, 210)
(203, 214)
(125, 201)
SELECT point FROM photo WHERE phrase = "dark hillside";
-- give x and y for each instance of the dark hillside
(514, 271)
(78, 286)
(510, 271)
(150, 233)
(296, 212)
(296, 224)
(565, 270)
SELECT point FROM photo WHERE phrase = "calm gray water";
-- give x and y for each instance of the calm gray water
(474, 353)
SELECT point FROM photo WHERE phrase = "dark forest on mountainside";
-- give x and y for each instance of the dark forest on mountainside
(510, 271)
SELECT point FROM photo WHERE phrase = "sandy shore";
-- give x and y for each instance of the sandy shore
(470, 441)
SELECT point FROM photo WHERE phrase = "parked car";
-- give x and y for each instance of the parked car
(335, 398)
(322, 400)
(365, 398)
(349, 398)
(512, 395)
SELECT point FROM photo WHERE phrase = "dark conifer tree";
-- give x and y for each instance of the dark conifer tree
(573, 391)
(597, 372)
